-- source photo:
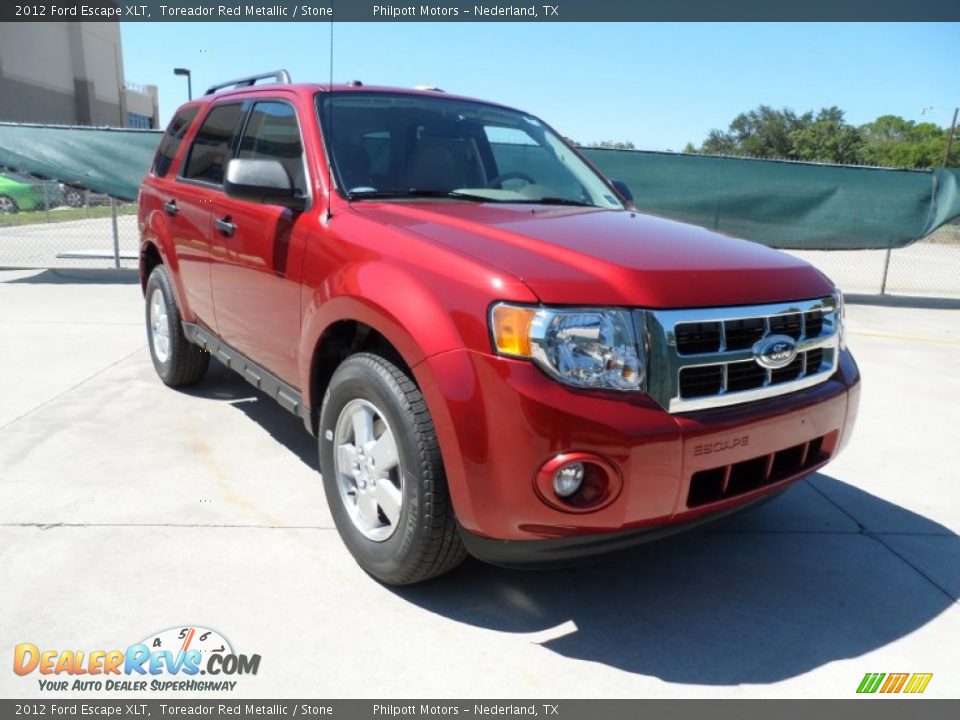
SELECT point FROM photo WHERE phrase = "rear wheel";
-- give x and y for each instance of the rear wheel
(383, 475)
(177, 361)
(8, 206)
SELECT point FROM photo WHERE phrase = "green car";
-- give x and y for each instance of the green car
(22, 192)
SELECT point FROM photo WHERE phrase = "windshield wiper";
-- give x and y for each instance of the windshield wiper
(554, 201)
(395, 194)
(457, 195)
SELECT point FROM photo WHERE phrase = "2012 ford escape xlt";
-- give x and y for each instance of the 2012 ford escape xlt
(497, 354)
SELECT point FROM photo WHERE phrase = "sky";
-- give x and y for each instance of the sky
(656, 85)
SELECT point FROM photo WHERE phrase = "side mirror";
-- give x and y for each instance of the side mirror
(261, 181)
(621, 187)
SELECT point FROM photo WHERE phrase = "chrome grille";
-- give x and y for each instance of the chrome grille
(704, 358)
(694, 338)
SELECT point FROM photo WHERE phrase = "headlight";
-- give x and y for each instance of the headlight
(586, 348)
(841, 318)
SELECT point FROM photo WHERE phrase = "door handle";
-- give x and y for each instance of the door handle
(225, 226)
(171, 207)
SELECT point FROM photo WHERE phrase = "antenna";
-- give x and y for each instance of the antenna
(329, 149)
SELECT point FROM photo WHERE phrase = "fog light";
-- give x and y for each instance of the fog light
(567, 480)
(578, 482)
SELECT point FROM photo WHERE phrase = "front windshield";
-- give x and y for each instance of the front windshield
(388, 145)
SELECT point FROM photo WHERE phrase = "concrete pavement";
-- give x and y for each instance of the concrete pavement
(127, 508)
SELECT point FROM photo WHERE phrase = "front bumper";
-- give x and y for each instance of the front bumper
(523, 553)
(499, 420)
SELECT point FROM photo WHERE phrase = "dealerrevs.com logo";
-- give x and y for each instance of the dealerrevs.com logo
(170, 660)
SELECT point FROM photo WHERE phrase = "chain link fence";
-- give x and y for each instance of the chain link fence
(50, 225)
(929, 267)
(46, 224)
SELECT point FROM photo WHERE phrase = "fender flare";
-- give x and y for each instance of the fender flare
(392, 301)
(153, 234)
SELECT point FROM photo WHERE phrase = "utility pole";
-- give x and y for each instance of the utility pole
(953, 129)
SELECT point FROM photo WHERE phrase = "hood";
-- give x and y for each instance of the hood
(591, 256)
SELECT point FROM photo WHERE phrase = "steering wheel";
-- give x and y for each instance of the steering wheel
(500, 179)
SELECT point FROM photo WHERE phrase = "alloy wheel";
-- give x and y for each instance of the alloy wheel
(367, 466)
(159, 326)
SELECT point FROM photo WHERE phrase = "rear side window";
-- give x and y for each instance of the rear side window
(272, 133)
(211, 148)
(176, 131)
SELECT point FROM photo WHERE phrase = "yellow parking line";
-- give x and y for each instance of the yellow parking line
(910, 338)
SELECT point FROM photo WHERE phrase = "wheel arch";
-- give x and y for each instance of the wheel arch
(156, 249)
(339, 340)
(150, 257)
(378, 305)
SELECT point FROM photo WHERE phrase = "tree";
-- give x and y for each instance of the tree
(615, 145)
(719, 143)
(765, 132)
(889, 140)
(828, 138)
(893, 141)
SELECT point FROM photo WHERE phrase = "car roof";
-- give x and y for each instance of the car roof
(311, 89)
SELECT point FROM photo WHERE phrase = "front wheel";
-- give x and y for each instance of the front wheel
(383, 475)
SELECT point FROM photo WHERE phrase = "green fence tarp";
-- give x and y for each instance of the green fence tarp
(105, 160)
(789, 204)
(781, 204)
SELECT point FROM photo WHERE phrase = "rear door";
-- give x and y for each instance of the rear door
(159, 195)
(190, 205)
(258, 249)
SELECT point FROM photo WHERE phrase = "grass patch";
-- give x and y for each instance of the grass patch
(57, 215)
(946, 235)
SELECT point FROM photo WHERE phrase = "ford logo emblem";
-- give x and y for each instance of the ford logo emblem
(775, 351)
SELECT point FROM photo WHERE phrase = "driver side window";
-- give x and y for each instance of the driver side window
(272, 133)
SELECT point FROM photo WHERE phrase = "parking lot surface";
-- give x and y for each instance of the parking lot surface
(127, 508)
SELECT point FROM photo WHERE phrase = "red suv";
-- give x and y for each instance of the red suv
(498, 355)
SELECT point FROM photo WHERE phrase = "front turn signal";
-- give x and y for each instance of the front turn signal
(511, 329)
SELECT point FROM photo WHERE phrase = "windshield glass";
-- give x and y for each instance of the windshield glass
(396, 145)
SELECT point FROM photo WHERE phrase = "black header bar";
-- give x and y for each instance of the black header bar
(478, 11)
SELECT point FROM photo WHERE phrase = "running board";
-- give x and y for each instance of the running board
(288, 397)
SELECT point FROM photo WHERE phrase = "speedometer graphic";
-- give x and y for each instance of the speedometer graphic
(178, 640)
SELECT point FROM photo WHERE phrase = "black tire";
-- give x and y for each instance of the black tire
(184, 363)
(74, 197)
(8, 206)
(425, 542)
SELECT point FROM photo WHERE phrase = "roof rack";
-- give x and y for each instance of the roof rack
(281, 77)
